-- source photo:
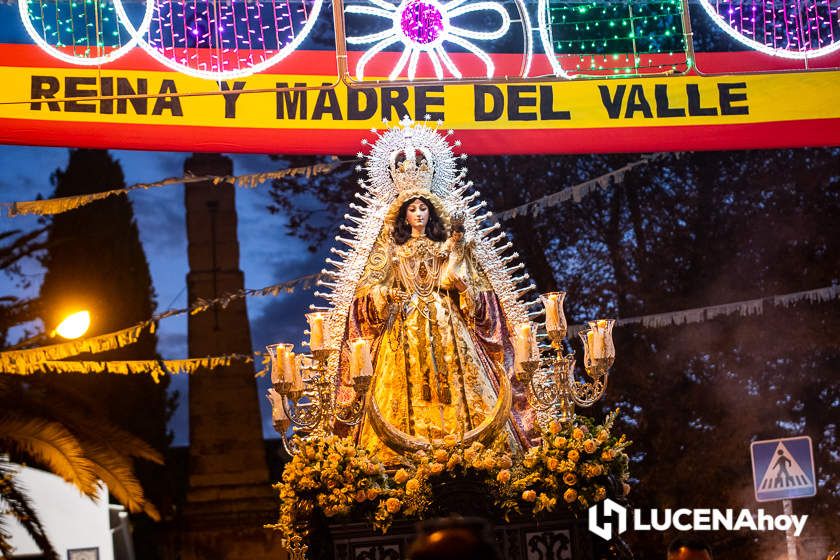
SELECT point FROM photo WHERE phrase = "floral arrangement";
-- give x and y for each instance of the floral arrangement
(573, 466)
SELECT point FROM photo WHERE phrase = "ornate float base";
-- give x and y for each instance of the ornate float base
(556, 538)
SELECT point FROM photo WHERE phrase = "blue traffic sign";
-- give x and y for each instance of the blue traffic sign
(783, 469)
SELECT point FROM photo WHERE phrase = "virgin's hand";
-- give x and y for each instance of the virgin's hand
(459, 284)
(395, 294)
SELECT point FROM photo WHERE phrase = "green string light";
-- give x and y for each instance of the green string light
(67, 24)
(618, 31)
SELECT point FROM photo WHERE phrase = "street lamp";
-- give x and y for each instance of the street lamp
(74, 325)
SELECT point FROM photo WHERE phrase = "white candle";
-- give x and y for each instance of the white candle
(316, 331)
(367, 362)
(360, 360)
(276, 369)
(552, 312)
(597, 347)
(522, 343)
(277, 363)
(289, 367)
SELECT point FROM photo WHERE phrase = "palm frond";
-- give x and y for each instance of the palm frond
(117, 472)
(5, 546)
(118, 440)
(52, 445)
(69, 411)
(17, 502)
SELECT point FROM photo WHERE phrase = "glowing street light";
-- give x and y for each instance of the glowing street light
(74, 325)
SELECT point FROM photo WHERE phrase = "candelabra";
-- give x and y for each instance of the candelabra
(304, 394)
(550, 381)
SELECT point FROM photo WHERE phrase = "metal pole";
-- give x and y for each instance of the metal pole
(789, 536)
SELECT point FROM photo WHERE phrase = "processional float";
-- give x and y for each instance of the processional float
(431, 337)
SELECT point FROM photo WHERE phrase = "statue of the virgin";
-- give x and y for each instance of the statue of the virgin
(435, 301)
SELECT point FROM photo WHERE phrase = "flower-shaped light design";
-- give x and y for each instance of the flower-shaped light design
(423, 26)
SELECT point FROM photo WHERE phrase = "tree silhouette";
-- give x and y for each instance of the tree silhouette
(95, 261)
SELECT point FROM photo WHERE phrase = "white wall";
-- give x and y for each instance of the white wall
(71, 520)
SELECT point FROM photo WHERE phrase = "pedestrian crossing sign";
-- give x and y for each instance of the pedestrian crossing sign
(783, 469)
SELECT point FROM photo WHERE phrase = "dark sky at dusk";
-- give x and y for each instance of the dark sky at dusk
(267, 254)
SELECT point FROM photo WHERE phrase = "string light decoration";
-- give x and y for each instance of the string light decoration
(81, 32)
(228, 39)
(614, 38)
(794, 29)
(211, 39)
(425, 27)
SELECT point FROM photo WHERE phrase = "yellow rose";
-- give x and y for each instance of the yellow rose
(334, 458)
(554, 427)
(607, 455)
(602, 436)
(401, 476)
(552, 464)
(590, 446)
(570, 479)
(503, 476)
(469, 455)
(450, 440)
(372, 493)
(441, 455)
(559, 442)
(488, 464)
(546, 502)
(573, 456)
(436, 468)
(392, 505)
(412, 486)
(477, 446)
(577, 433)
(600, 493)
(570, 496)
(505, 462)
(529, 495)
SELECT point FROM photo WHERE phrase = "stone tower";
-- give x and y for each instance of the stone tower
(229, 494)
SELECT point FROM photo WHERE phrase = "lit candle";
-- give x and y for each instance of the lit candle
(316, 331)
(276, 352)
(590, 343)
(289, 366)
(522, 344)
(360, 361)
(598, 339)
(553, 308)
(276, 369)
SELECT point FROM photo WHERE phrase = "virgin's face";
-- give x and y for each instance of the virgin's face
(417, 214)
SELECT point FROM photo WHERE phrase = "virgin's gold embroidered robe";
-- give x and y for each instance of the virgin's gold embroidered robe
(438, 353)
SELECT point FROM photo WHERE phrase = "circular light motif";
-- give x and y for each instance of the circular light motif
(795, 29)
(82, 32)
(421, 22)
(202, 38)
(423, 26)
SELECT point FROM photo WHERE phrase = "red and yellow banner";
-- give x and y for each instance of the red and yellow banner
(137, 104)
